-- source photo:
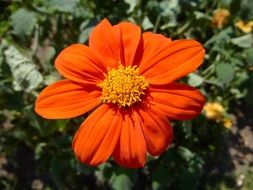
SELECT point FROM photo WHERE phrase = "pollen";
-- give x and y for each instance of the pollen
(123, 86)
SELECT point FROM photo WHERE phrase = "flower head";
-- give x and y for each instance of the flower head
(128, 79)
(123, 86)
(244, 27)
(214, 111)
(220, 17)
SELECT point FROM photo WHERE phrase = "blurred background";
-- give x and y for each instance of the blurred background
(213, 151)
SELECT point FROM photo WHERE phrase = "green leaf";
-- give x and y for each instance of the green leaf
(23, 22)
(246, 8)
(169, 10)
(146, 23)
(219, 38)
(199, 15)
(132, 4)
(3, 45)
(4, 27)
(121, 182)
(84, 35)
(195, 80)
(155, 185)
(185, 153)
(24, 72)
(169, 5)
(225, 73)
(51, 78)
(245, 41)
(237, 93)
(249, 55)
(85, 28)
(225, 3)
(62, 5)
(214, 81)
(39, 150)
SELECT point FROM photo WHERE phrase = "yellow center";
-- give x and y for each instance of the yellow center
(123, 86)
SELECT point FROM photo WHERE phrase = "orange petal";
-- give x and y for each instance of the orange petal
(102, 40)
(65, 99)
(98, 135)
(153, 46)
(157, 131)
(177, 101)
(128, 37)
(131, 148)
(79, 63)
(169, 62)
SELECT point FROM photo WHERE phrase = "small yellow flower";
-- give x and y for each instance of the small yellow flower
(228, 123)
(220, 17)
(244, 27)
(214, 111)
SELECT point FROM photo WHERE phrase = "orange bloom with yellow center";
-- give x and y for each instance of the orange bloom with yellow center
(128, 79)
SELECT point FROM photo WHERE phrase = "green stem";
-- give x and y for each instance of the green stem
(208, 70)
(183, 28)
(157, 23)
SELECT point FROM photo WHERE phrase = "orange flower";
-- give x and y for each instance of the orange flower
(128, 78)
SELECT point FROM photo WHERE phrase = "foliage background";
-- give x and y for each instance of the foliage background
(36, 153)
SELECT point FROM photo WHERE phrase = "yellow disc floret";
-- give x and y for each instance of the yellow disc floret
(123, 86)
